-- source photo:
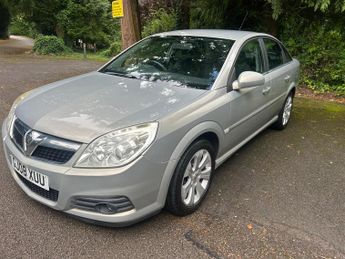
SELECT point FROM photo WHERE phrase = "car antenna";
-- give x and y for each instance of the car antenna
(243, 21)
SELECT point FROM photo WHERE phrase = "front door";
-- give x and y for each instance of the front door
(247, 106)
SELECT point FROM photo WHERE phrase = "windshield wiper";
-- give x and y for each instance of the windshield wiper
(113, 73)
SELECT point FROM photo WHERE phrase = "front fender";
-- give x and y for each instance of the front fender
(185, 142)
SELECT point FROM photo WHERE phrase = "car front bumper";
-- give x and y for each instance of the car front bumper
(139, 181)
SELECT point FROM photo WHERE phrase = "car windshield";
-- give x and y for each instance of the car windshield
(185, 61)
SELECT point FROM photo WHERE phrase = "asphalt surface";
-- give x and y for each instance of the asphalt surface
(281, 196)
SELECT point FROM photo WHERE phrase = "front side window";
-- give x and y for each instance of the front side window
(189, 61)
(249, 58)
(274, 53)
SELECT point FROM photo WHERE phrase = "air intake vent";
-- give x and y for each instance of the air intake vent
(104, 205)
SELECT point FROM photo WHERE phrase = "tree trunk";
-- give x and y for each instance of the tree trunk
(271, 25)
(184, 15)
(130, 23)
(4, 21)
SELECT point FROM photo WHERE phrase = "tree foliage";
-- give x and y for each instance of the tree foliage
(88, 20)
(279, 6)
(161, 21)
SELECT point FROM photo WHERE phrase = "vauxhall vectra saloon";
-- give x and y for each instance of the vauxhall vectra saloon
(149, 128)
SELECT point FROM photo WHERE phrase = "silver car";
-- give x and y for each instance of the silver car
(149, 128)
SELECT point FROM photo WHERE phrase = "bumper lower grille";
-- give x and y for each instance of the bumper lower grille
(52, 194)
(103, 205)
(52, 154)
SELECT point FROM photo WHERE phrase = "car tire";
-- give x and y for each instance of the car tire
(192, 179)
(284, 114)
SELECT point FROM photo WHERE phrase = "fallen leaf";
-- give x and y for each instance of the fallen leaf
(250, 226)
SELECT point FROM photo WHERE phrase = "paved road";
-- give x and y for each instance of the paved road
(282, 195)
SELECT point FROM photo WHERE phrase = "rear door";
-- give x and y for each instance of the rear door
(280, 73)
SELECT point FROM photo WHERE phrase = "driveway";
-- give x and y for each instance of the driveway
(282, 195)
(16, 45)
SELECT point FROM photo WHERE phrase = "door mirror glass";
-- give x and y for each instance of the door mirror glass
(248, 79)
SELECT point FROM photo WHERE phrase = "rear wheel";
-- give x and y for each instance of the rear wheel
(192, 178)
(284, 114)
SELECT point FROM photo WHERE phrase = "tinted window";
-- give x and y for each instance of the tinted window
(274, 53)
(287, 55)
(249, 58)
(187, 61)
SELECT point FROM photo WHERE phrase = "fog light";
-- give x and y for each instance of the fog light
(106, 208)
(103, 205)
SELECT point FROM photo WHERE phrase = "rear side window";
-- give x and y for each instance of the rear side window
(275, 53)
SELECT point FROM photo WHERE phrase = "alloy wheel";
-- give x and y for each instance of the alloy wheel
(196, 178)
(287, 110)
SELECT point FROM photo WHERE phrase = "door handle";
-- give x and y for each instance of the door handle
(287, 78)
(266, 90)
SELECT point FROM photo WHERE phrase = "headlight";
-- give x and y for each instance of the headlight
(118, 147)
(13, 108)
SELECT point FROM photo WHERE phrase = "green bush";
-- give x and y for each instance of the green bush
(161, 21)
(49, 45)
(321, 51)
(113, 50)
(20, 26)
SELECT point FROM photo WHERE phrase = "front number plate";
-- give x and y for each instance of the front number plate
(32, 176)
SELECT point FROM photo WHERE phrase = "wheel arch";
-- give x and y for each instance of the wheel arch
(293, 90)
(209, 130)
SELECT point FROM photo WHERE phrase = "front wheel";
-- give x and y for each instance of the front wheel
(192, 178)
(284, 114)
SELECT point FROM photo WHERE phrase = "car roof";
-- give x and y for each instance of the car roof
(213, 33)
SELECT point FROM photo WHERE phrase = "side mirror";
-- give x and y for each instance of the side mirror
(248, 79)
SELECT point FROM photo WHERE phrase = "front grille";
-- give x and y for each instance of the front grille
(52, 154)
(52, 194)
(44, 147)
(18, 132)
(103, 205)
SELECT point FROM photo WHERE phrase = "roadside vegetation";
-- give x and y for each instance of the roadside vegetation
(313, 30)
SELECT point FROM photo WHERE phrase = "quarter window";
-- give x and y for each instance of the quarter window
(274, 53)
(250, 58)
(287, 55)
